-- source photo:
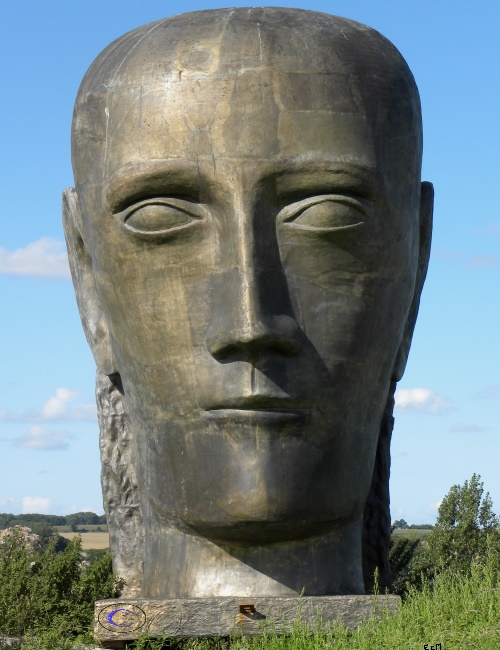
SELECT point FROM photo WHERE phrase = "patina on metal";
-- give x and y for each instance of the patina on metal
(248, 240)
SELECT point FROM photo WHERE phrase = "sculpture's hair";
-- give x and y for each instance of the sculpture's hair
(377, 512)
(120, 491)
(122, 500)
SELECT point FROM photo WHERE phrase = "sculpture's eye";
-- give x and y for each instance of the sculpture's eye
(325, 213)
(161, 217)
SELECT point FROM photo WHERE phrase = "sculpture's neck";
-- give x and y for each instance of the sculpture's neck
(182, 565)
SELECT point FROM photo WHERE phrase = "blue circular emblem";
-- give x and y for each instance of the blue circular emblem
(121, 617)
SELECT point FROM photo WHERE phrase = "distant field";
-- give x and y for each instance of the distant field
(411, 533)
(90, 540)
(101, 540)
(89, 527)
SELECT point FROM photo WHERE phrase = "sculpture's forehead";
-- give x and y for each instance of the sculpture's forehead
(241, 88)
(253, 114)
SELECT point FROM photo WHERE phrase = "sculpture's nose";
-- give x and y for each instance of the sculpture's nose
(252, 313)
(247, 321)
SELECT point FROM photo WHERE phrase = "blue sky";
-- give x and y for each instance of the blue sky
(447, 418)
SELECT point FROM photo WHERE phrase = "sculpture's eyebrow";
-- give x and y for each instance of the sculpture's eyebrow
(137, 180)
(310, 176)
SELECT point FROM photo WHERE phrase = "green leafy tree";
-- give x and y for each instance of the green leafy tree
(421, 527)
(465, 520)
(5, 519)
(53, 520)
(82, 519)
(400, 524)
(465, 529)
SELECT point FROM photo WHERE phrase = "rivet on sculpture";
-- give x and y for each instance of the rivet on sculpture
(248, 240)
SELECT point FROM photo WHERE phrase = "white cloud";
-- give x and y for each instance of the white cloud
(8, 503)
(84, 412)
(434, 507)
(55, 406)
(74, 507)
(38, 437)
(488, 392)
(44, 258)
(40, 505)
(421, 400)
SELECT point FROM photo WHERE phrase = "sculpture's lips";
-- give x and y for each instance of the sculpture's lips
(260, 407)
(260, 402)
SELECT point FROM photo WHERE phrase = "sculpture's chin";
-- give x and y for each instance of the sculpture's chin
(264, 532)
(274, 518)
(254, 481)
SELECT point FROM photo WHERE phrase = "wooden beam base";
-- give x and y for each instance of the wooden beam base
(117, 621)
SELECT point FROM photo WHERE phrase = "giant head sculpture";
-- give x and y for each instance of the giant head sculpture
(248, 240)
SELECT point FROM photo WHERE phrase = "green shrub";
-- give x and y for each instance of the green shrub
(401, 556)
(92, 555)
(47, 590)
(45, 532)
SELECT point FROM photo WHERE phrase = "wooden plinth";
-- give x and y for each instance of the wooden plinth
(117, 621)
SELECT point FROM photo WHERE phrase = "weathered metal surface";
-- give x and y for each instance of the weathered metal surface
(195, 617)
(248, 240)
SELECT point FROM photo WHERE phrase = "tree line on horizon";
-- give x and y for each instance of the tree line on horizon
(401, 524)
(8, 520)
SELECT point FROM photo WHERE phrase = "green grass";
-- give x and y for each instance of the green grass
(457, 612)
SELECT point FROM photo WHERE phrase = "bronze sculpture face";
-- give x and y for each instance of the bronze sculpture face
(248, 251)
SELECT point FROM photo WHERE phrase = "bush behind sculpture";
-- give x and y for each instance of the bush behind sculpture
(42, 590)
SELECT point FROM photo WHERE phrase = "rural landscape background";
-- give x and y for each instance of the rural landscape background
(447, 576)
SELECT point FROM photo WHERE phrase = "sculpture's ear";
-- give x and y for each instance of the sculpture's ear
(426, 209)
(80, 262)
